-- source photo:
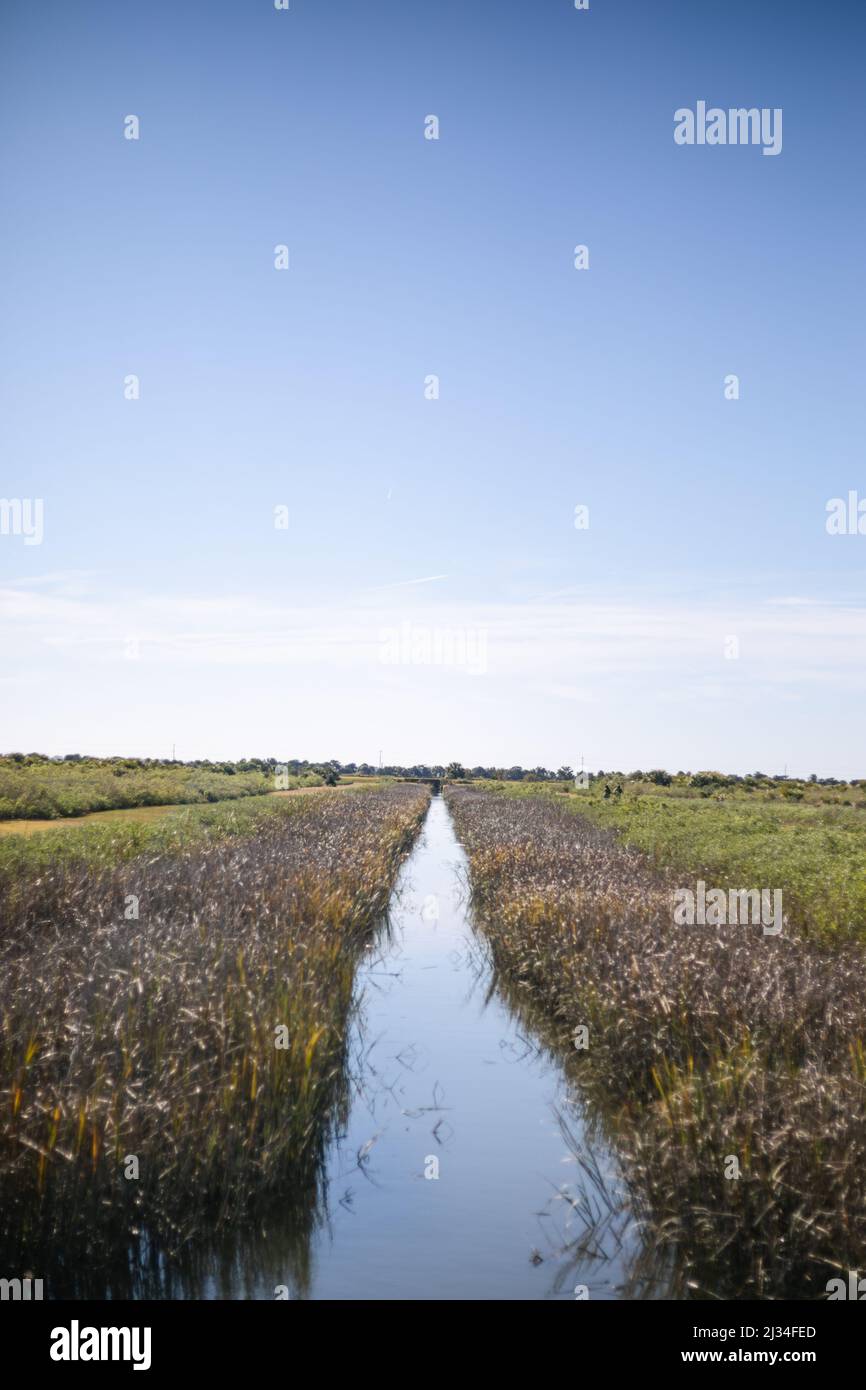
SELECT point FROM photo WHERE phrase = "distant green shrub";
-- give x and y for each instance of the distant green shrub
(36, 788)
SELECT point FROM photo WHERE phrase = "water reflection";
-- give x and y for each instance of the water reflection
(464, 1169)
(456, 1160)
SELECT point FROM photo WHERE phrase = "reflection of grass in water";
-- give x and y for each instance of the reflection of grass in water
(599, 1218)
(156, 1038)
(252, 1257)
(705, 1044)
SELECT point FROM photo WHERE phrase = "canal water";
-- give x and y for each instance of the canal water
(459, 1171)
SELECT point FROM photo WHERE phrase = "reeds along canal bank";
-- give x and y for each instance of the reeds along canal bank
(173, 1041)
(287, 1060)
(458, 1172)
(730, 1062)
(209, 1098)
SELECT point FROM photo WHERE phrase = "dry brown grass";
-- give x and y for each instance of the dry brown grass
(156, 1037)
(705, 1043)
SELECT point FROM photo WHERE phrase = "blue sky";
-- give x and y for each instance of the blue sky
(163, 606)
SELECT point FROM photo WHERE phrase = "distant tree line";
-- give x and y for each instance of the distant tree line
(332, 769)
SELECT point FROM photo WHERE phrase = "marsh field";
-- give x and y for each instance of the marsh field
(370, 1041)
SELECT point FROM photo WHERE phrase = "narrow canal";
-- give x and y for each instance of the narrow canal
(452, 1176)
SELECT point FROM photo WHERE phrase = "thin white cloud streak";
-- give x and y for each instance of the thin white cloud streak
(409, 583)
(562, 647)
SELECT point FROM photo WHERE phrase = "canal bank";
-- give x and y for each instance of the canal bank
(457, 1172)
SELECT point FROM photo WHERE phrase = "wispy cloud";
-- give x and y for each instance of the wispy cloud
(409, 583)
(566, 647)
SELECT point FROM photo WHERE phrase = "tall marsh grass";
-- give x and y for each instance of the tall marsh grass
(705, 1044)
(154, 1038)
(41, 788)
(815, 850)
